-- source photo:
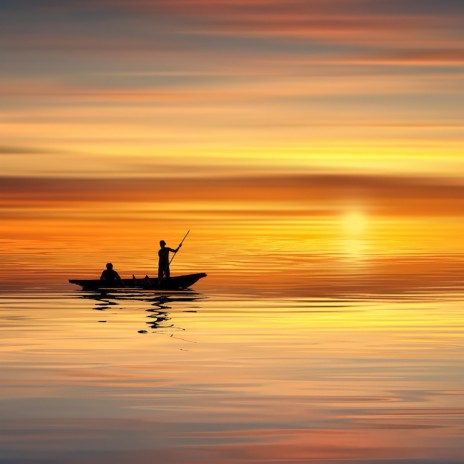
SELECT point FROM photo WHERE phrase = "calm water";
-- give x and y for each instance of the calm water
(301, 374)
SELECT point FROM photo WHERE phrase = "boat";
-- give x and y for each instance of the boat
(147, 283)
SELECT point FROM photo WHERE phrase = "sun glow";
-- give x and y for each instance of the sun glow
(354, 226)
(354, 222)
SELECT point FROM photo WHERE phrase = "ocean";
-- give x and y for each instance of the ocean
(295, 348)
(329, 362)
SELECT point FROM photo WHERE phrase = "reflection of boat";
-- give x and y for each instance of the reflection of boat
(158, 305)
(147, 283)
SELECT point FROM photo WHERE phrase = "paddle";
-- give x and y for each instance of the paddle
(179, 246)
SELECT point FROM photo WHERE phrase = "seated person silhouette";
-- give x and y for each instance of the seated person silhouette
(110, 277)
(163, 263)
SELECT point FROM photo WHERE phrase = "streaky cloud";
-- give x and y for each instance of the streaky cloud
(383, 194)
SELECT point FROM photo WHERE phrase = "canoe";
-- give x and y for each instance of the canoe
(146, 283)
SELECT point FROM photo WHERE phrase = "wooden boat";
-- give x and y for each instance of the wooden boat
(146, 283)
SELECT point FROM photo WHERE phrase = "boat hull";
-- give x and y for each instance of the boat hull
(147, 283)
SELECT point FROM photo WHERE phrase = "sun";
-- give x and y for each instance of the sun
(353, 228)
(354, 222)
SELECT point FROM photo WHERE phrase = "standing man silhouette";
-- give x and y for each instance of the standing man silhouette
(163, 263)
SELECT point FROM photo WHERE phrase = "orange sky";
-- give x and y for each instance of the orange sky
(346, 112)
(119, 88)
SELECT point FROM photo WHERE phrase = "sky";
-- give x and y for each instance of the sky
(123, 110)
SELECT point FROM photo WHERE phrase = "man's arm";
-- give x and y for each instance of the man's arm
(117, 278)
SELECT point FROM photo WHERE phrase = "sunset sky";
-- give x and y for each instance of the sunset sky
(114, 111)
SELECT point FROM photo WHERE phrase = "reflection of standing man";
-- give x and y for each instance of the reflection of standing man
(163, 263)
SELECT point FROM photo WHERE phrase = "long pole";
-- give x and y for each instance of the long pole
(173, 256)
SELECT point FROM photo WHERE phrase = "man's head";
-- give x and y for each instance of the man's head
(162, 243)
(109, 266)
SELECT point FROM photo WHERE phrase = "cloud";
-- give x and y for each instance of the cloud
(381, 194)
(157, 25)
(18, 150)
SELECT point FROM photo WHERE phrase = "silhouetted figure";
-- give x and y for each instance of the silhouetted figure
(111, 277)
(163, 263)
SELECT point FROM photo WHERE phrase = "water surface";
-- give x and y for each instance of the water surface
(233, 377)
